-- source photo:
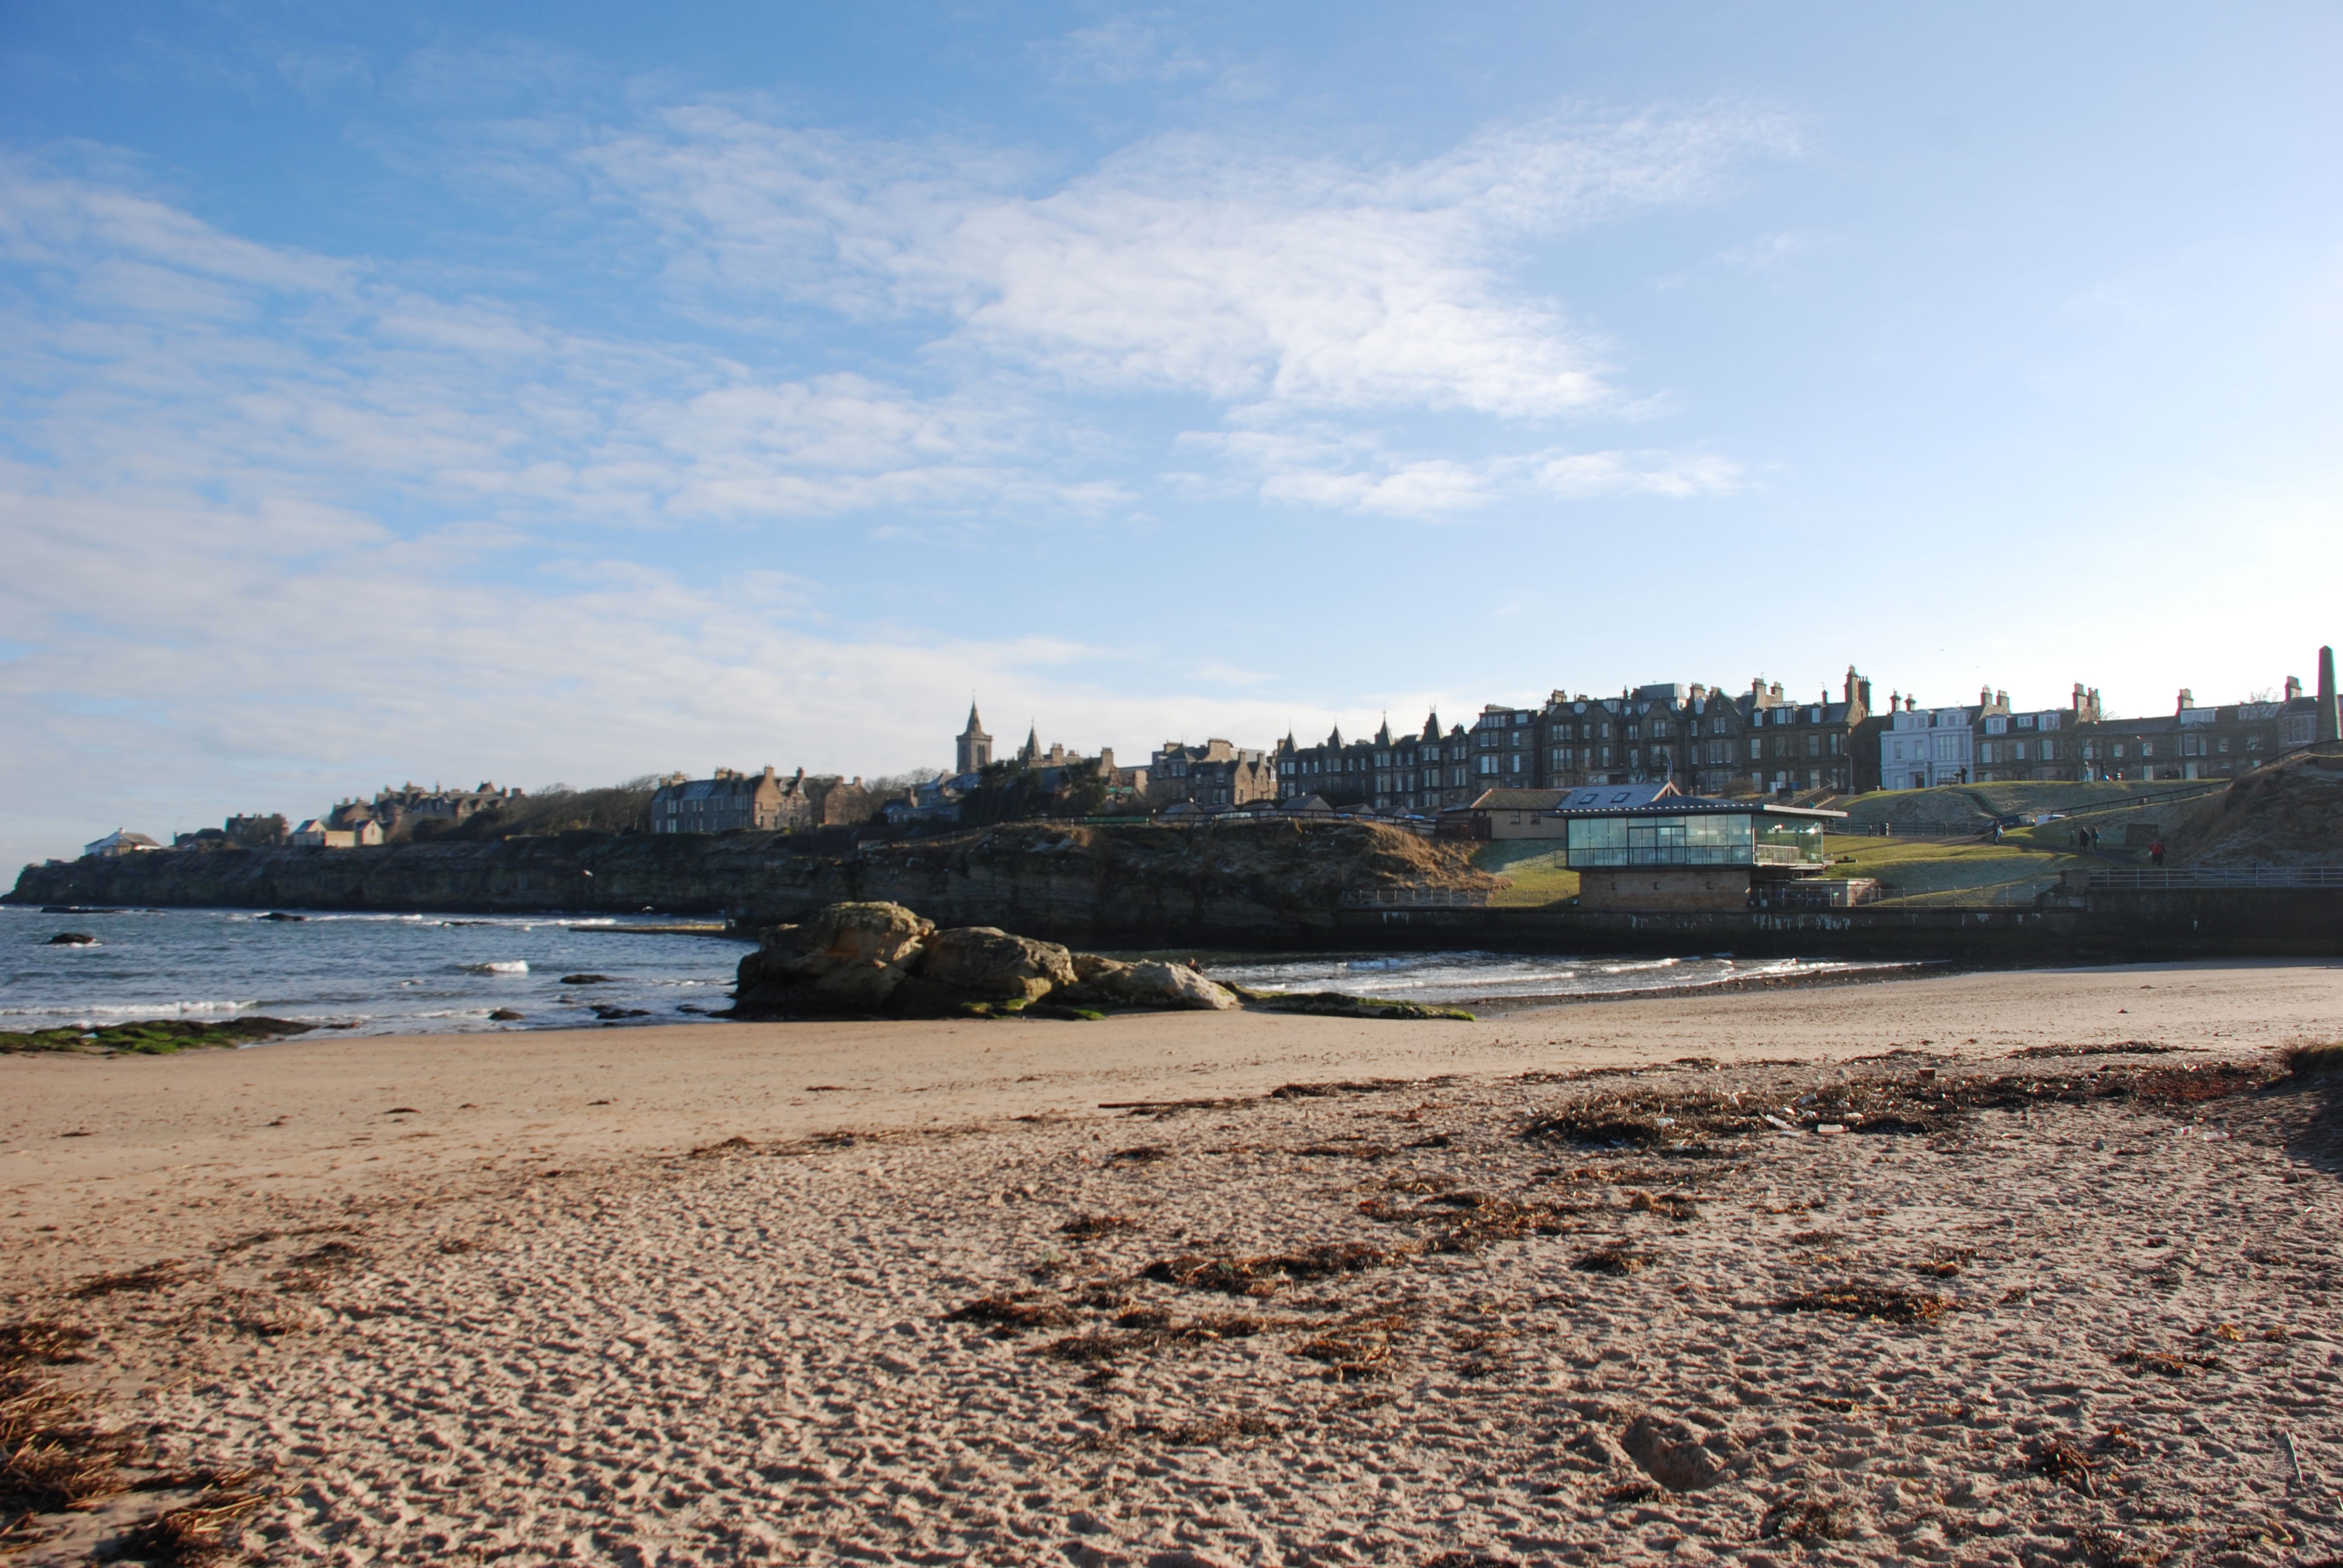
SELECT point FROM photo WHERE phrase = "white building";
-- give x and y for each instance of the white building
(1923, 747)
(121, 841)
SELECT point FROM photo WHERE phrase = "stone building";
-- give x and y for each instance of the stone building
(2046, 743)
(1217, 776)
(363, 834)
(726, 802)
(972, 750)
(1419, 774)
(1695, 737)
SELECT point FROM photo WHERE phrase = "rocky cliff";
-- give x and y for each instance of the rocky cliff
(1267, 882)
(2289, 813)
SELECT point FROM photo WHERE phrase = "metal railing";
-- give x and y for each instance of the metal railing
(2180, 879)
(1416, 899)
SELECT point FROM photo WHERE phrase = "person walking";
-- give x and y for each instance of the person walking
(2156, 853)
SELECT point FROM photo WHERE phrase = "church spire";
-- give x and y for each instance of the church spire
(973, 747)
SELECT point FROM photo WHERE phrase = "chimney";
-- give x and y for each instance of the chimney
(2330, 718)
(2293, 687)
(2187, 699)
(1863, 692)
(1910, 703)
(1985, 696)
(2001, 699)
(1777, 691)
(2078, 699)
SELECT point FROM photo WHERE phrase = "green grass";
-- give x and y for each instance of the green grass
(1907, 867)
(151, 1036)
(1536, 867)
(1962, 802)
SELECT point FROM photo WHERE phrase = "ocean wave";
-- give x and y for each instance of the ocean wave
(128, 1009)
(498, 967)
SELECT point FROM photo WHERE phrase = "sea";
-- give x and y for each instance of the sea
(415, 974)
(370, 973)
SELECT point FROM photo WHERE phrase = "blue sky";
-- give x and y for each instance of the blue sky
(570, 392)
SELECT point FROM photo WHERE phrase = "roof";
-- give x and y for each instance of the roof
(1519, 799)
(1594, 796)
(1697, 805)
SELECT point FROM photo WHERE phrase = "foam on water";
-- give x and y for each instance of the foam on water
(383, 973)
(1494, 977)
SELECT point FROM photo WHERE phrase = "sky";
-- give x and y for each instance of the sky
(563, 393)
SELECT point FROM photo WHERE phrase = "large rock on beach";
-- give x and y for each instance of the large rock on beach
(844, 958)
(984, 963)
(1108, 982)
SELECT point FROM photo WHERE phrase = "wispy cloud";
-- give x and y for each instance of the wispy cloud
(1188, 264)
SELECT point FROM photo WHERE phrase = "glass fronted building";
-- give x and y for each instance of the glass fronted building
(1685, 852)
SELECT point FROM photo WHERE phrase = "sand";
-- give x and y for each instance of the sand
(686, 1295)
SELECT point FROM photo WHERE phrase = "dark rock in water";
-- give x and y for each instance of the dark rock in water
(71, 940)
(1341, 1004)
(72, 909)
(506, 1015)
(281, 915)
(605, 1013)
(686, 1006)
(585, 980)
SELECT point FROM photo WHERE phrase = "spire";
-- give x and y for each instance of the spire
(1432, 725)
(1382, 736)
(975, 724)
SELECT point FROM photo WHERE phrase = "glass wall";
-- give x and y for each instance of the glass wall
(1708, 839)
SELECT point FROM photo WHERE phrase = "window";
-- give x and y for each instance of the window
(1814, 745)
(1488, 763)
(1756, 748)
(1516, 762)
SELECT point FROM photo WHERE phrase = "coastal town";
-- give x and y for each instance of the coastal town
(1687, 740)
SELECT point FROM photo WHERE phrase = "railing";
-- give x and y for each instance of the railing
(1416, 899)
(2022, 894)
(2180, 879)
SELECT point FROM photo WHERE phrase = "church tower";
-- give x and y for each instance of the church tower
(975, 746)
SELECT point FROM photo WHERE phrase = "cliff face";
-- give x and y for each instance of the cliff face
(1258, 881)
(2288, 814)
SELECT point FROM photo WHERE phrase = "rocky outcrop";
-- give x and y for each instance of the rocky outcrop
(987, 964)
(847, 958)
(861, 959)
(1106, 982)
(1278, 881)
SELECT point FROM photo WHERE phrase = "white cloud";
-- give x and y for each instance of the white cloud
(1331, 468)
(1188, 264)
(1119, 51)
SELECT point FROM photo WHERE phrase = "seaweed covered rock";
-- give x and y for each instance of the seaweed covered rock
(1106, 983)
(842, 959)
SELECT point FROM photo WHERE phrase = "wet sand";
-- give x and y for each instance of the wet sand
(683, 1296)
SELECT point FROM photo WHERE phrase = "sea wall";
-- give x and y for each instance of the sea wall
(1263, 884)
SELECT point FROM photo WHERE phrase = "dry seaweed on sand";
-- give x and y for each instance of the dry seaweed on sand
(51, 1456)
(201, 1532)
(1262, 1276)
(1151, 1328)
(2163, 1363)
(1467, 1222)
(1014, 1313)
(1809, 1519)
(148, 1277)
(1618, 1259)
(1082, 1227)
(1357, 1349)
(1144, 1154)
(1882, 1304)
(2061, 1459)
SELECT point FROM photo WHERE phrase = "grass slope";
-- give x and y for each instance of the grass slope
(1538, 869)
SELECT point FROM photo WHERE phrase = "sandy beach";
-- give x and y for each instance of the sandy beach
(1222, 1288)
